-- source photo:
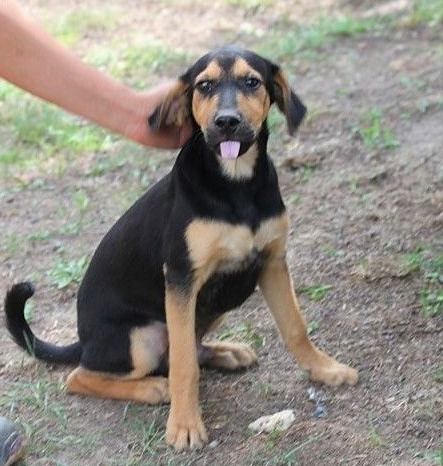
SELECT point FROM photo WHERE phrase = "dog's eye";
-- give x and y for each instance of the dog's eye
(205, 87)
(252, 83)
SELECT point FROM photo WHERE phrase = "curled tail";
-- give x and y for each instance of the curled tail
(22, 334)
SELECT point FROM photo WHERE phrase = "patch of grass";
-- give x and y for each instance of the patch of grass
(39, 396)
(50, 130)
(148, 436)
(8, 157)
(81, 22)
(265, 390)
(12, 245)
(437, 375)
(432, 294)
(81, 201)
(250, 4)
(434, 457)
(375, 440)
(71, 229)
(426, 12)
(242, 332)
(313, 326)
(66, 272)
(305, 173)
(276, 121)
(432, 301)
(136, 62)
(273, 455)
(293, 198)
(105, 165)
(38, 236)
(303, 40)
(333, 252)
(315, 292)
(29, 311)
(36, 132)
(40, 138)
(374, 133)
(37, 408)
(430, 264)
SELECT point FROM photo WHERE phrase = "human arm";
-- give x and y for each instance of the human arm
(34, 61)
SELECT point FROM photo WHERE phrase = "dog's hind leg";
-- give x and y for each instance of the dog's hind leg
(147, 350)
(152, 390)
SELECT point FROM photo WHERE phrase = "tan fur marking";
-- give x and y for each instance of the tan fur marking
(242, 69)
(254, 107)
(281, 80)
(242, 167)
(211, 72)
(152, 390)
(148, 344)
(174, 109)
(204, 109)
(216, 324)
(185, 427)
(231, 355)
(272, 235)
(213, 244)
(276, 285)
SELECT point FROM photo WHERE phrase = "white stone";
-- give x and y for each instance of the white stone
(281, 421)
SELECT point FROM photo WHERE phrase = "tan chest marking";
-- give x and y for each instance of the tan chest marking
(215, 245)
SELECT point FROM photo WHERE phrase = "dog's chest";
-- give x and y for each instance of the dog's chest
(218, 247)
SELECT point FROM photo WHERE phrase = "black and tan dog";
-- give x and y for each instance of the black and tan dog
(192, 248)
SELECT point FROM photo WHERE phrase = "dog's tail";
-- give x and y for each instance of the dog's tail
(22, 334)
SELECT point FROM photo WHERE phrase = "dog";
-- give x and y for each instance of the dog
(195, 246)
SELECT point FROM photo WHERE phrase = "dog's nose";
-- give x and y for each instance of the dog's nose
(227, 120)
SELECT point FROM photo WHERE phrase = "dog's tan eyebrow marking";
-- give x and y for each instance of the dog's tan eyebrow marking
(212, 72)
(241, 69)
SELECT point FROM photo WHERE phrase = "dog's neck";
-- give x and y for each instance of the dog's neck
(198, 172)
(243, 168)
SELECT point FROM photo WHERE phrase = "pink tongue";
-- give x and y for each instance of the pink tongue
(229, 149)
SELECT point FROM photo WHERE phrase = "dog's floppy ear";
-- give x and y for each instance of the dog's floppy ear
(288, 102)
(174, 110)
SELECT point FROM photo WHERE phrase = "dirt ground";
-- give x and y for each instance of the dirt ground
(363, 183)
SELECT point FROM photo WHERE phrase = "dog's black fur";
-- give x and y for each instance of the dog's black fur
(124, 286)
(192, 248)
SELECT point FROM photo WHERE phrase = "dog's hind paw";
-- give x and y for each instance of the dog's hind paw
(230, 356)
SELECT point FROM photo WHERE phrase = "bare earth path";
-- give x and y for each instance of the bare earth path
(363, 182)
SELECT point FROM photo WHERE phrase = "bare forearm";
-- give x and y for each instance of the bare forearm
(31, 59)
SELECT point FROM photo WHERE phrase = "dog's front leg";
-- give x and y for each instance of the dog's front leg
(276, 285)
(185, 427)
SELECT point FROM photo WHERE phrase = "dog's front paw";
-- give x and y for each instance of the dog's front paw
(185, 432)
(330, 372)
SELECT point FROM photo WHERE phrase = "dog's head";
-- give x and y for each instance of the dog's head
(227, 94)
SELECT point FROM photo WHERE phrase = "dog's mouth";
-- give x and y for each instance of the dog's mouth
(230, 149)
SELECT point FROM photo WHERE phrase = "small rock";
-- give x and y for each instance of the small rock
(316, 396)
(214, 444)
(281, 421)
(320, 411)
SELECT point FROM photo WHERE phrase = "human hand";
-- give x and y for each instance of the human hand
(138, 129)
